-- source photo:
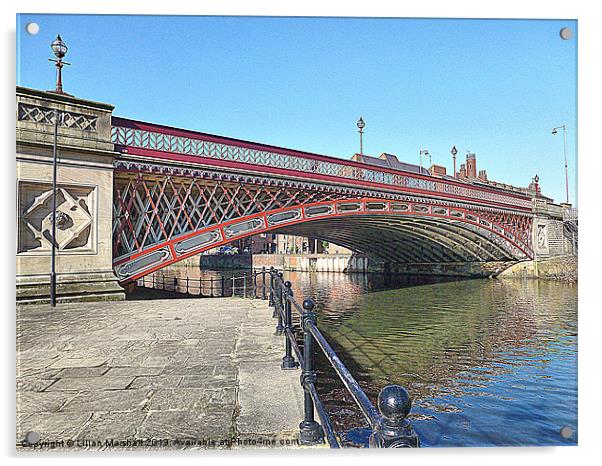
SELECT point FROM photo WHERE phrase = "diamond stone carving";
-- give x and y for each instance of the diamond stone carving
(74, 218)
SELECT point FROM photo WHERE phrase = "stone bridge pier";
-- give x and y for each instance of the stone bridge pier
(84, 198)
(550, 237)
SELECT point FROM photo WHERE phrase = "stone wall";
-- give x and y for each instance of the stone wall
(222, 261)
(559, 244)
(340, 263)
(549, 239)
(563, 268)
(84, 208)
(453, 269)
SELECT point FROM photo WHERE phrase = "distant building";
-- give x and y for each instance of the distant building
(468, 173)
(438, 170)
(291, 244)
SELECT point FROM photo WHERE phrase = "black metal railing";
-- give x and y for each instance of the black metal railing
(244, 285)
(389, 424)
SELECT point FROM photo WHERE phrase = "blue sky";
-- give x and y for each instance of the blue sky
(494, 87)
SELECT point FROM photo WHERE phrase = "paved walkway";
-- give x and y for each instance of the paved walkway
(183, 373)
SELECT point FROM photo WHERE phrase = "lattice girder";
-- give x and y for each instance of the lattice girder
(160, 219)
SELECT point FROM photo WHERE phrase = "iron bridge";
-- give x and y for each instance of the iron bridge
(178, 193)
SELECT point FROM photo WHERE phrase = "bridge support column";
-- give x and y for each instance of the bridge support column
(84, 198)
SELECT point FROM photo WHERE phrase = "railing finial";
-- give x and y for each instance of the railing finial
(395, 431)
(309, 304)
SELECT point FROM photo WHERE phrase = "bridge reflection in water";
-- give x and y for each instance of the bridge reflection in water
(488, 362)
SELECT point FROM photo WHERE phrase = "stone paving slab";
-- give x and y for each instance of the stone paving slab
(166, 374)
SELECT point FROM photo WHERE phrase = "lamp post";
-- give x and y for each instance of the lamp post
(361, 125)
(424, 152)
(566, 166)
(454, 151)
(59, 48)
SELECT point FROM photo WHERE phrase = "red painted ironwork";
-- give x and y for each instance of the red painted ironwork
(179, 193)
(159, 142)
(153, 222)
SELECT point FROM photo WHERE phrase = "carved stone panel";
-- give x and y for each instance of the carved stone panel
(540, 240)
(37, 114)
(75, 218)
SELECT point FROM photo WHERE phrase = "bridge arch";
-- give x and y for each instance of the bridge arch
(390, 230)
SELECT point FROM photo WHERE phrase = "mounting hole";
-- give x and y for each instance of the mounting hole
(566, 33)
(566, 432)
(32, 28)
(32, 438)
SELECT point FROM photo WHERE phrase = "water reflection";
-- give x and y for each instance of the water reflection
(489, 362)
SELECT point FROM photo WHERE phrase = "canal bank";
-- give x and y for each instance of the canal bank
(343, 263)
(171, 373)
(563, 268)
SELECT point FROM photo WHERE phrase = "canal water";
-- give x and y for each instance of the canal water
(488, 362)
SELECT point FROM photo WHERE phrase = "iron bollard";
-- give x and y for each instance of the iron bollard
(310, 432)
(394, 431)
(288, 361)
(175, 284)
(279, 308)
(263, 295)
(271, 302)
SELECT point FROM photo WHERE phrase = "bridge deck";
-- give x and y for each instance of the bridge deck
(175, 369)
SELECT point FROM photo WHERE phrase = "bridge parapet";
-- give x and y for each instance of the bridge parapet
(176, 145)
(549, 209)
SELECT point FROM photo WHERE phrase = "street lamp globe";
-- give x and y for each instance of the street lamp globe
(554, 131)
(360, 123)
(59, 48)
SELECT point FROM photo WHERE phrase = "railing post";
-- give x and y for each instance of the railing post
(310, 432)
(211, 284)
(394, 431)
(263, 294)
(187, 289)
(175, 284)
(279, 308)
(271, 302)
(223, 286)
(288, 361)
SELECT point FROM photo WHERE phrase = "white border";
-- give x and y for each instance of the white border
(590, 77)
